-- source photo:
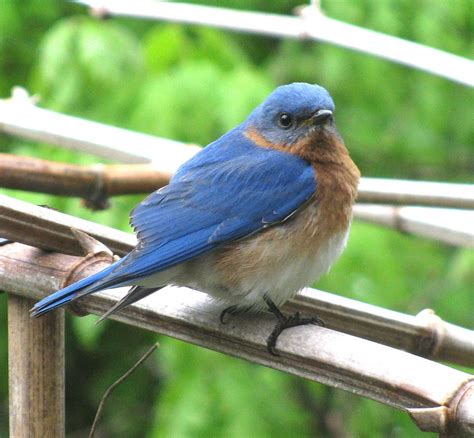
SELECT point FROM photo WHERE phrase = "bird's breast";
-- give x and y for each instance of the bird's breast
(280, 260)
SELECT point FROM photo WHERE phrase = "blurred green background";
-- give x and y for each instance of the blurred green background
(192, 84)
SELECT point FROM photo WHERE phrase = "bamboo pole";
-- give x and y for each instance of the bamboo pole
(311, 24)
(36, 371)
(95, 182)
(98, 181)
(450, 226)
(437, 397)
(20, 117)
(425, 334)
(419, 193)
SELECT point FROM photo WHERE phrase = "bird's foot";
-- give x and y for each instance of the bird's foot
(285, 322)
(232, 310)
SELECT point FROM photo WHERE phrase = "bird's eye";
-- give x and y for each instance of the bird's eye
(285, 120)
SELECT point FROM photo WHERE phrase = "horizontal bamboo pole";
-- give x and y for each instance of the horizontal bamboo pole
(20, 117)
(425, 334)
(450, 226)
(419, 193)
(98, 181)
(95, 182)
(437, 397)
(311, 24)
(49, 229)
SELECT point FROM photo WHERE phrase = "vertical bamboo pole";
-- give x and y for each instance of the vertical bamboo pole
(36, 371)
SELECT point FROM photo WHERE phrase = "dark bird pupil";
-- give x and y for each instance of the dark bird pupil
(285, 120)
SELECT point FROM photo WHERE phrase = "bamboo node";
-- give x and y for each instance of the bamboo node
(97, 257)
(98, 199)
(21, 96)
(430, 343)
(461, 412)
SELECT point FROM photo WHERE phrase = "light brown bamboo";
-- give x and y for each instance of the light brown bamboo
(20, 117)
(311, 24)
(437, 397)
(36, 371)
(451, 226)
(49, 229)
(36, 346)
(95, 183)
(425, 334)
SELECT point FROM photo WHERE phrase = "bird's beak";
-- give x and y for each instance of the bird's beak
(321, 116)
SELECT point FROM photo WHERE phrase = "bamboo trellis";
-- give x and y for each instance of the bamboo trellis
(309, 24)
(438, 398)
(20, 117)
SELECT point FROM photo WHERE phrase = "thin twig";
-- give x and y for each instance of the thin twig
(117, 383)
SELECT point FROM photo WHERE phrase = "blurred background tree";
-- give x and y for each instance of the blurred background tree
(192, 84)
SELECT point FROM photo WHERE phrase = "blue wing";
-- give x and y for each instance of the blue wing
(229, 190)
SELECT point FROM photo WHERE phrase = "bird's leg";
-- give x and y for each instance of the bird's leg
(285, 322)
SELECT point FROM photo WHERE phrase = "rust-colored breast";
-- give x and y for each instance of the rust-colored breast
(286, 257)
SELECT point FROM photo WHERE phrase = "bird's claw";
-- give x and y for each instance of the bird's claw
(232, 310)
(288, 322)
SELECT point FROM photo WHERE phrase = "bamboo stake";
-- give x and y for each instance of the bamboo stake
(311, 24)
(19, 116)
(36, 346)
(99, 181)
(438, 398)
(36, 371)
(419, 193)
(424, 334)
(95, 183)
(450, 226)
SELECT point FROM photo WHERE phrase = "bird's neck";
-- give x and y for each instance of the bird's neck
(336, 173)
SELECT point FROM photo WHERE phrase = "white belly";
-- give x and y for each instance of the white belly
(279, 271)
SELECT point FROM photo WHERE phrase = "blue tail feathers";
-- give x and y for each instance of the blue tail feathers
(86, 286)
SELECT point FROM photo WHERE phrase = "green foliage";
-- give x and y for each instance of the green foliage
(209, 394)
(193, 84)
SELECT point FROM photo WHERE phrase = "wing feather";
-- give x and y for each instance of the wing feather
(230, 190)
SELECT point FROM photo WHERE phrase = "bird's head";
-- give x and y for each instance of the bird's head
(293, 113)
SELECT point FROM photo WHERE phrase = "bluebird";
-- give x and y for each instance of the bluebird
(250, 220)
